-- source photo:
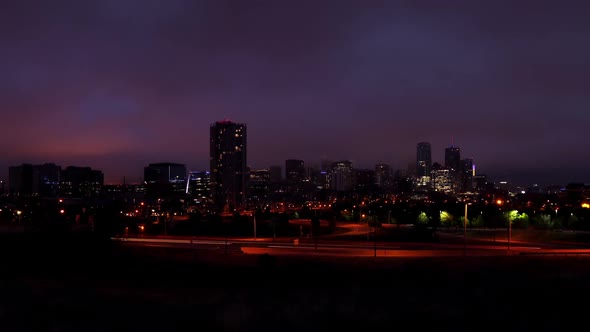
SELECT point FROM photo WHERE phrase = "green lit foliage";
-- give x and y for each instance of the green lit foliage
(518, 220)
(446, 219)
(422, 219)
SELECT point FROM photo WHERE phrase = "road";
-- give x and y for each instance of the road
(302, 247)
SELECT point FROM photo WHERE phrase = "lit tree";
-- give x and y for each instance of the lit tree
(446, 219)
(423, 218)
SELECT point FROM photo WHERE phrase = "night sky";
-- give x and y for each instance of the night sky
(118, 84)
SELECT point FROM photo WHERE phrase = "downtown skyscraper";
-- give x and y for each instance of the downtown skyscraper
(453, 164)
(228, 160)
(423, 159)
(423, 165)
(453, 158)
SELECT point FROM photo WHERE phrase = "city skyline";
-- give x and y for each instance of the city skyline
(117, 85)
(137, 175)
(317, 165)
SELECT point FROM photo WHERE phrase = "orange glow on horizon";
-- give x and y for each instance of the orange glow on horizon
(586, 205)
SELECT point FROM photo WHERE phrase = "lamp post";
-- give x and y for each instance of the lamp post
(500, 202)
(375, 240)
(254, 227)
(509, 232)
(465, 231)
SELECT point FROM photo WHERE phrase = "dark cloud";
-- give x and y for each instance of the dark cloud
(94, 81)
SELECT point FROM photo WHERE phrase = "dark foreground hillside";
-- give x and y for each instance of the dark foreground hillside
(87, 284)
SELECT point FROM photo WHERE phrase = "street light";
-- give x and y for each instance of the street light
(513, 214)
(499, 202)
(465, 231)
(253, 215)
(509, 231)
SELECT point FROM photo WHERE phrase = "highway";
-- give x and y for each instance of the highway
(307, 247)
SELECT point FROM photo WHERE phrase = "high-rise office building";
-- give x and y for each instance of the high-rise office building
(164, 173)
(423, 165)
(453, 158)
(21, 179)
(81, 182)
(35, 180)
(383, 176)
(227, 154)
(259, 186)
(364, 180)
(294, 171)
(164, 179)
(423, 159)
(49, 178)
(199, 185)
(341, 176)
(467, 173)
(453, 164)
(441, 179)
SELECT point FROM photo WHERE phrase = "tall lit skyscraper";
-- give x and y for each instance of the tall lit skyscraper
(383, 176)
(453, 164)
(423, 166)
(228, 162)
(341, 176)
(423, 159)
(453, 158)
(467, 173)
